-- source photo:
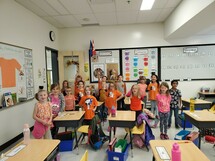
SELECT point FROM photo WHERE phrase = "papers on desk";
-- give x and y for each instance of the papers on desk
(162, 153)
(4, 159)
(15, 150)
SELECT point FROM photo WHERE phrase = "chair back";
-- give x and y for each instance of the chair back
(85, 156)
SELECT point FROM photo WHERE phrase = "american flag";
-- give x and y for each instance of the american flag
(92, 50)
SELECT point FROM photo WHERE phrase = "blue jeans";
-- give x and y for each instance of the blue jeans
(163, 122)
(154, 108)
(175, 115)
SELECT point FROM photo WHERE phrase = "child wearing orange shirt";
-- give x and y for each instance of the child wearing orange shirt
(69, 100)
(101, 80)
(153, 89)
(136, 100)
(112, 96)
(79, 92)
(89, 105)
(77, 79)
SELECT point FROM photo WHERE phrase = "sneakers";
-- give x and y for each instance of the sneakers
(162, 136)
(166, 137)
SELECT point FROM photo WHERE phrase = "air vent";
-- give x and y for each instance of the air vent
(90, 24)
(100, 1)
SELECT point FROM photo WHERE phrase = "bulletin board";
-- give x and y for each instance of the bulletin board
(139, 62)
(16, 72)
(188, 63)
(107, 62)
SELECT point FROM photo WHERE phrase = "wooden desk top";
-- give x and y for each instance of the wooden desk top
(201, 115)
(123, 116)
(189, 151)
(71, 115)
(197, 101)
(38, 149)
(207, 93)
(100, 103)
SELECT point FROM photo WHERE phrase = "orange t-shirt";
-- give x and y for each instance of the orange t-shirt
(135, 103)
(79, 92)
(69, 102)
(111, 98)
(88, 103)
(8, 71)
(153, 89)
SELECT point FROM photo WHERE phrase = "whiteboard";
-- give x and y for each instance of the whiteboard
(188, 63)
(139, 62)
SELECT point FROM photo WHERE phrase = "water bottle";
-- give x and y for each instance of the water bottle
(26, 133)
(113, 112)
(176, 153)
(192, 104)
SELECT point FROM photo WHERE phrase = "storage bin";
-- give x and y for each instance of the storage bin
(68, 135)
(181, 121)
(182, 135)
(66, 145)
(194, 137)
(115, 156)
(120, 145)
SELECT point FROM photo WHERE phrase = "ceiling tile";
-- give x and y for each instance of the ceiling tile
(86, 19)
(67, 21)
(127, 17)
(148, 16)
(123, 5)
(54, 22)
(45, 7)
(58, 6)
(106, 18)
(172, 3)
(76, 6)
(103, 8)
(164, 14)
(32, 7)
(159, 3)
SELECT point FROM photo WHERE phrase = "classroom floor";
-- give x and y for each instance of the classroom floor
(139, 154)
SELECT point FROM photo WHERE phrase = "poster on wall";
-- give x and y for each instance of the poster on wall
(106, 63)
(139, 62)
(16, 71)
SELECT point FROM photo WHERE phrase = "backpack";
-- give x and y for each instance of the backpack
(138, 141)
(96, 136)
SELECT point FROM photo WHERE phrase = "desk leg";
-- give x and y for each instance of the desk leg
(131, 144)
(184, 123)
(199, 139)
(114, 131)
(110, 134)
(76, 140)
(153, 158)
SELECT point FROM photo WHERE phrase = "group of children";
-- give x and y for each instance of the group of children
(163, 101)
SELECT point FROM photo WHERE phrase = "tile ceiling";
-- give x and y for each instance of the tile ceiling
(78, 13)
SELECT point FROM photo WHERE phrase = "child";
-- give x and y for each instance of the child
(153, 89)
(121, 86)
(136, 100)
(89, 105)
(77, 79)
(163, 103)
(58, 103)
(69, 100)
(79, 92)
(143, 86)
(100, 80)
(112, 96)
(65, 84)
(43, 116)
(175, 103)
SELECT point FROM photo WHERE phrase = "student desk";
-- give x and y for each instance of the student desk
(37, 149)
(70, 119)
(189, 151)
(124, 119)
(198, 103)
(205, 95)
(200, 119)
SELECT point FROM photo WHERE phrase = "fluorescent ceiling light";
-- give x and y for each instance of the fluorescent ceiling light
(147, 4)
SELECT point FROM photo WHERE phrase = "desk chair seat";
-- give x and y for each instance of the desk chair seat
(137, 130)
(85, 156)
(84, 131)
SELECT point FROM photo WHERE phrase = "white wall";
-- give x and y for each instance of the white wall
(128, 36)
(22, 28)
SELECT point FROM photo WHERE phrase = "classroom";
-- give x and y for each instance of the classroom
(116, 28)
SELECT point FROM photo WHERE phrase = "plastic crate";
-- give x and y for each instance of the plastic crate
(120, 143)
(115, 156)
(182, 135)
(181, 121)
(66, 145)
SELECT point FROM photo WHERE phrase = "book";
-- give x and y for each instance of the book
(111, 144)
(14, 97)
(8, 99)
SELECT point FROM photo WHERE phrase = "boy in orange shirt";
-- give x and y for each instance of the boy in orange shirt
(89, 105)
